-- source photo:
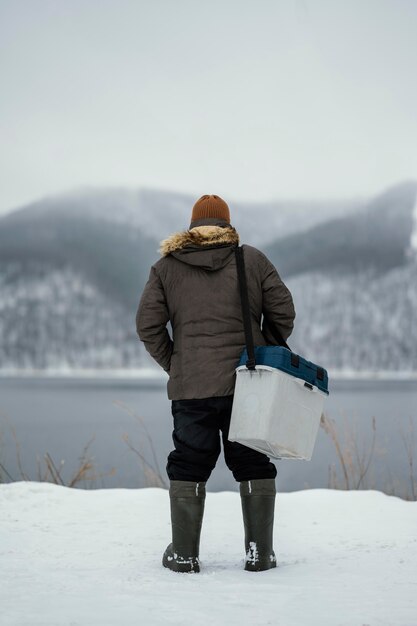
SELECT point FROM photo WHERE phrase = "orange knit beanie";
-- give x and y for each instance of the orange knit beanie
(210, 206)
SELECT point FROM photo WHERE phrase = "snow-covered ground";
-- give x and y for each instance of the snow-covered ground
(84, 557)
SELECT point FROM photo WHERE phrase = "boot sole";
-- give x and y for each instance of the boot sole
(185, 566)
(261, 564)
(259, 567)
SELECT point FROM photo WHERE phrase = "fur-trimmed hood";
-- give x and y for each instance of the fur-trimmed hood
(199, 236)
(208, 246)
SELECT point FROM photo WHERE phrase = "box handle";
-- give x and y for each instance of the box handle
(306, 385)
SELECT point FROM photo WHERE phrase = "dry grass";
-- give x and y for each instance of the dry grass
(85, 473)
(150, 470)
(410, 447)
(354, 471)
(50, 471)
(355, 465)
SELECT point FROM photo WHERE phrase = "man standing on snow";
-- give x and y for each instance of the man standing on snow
(195, 287)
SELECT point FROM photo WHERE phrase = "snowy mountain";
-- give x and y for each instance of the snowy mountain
(72, 269)
(360, 321)
(55, 317)
(377, 235)
(112, 256)
(354, 283)
(157, 213)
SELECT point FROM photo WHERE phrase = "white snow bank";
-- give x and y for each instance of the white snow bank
(152, 374)
(142, 373)
(83, 557)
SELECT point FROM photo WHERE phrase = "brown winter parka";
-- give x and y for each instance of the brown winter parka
(194, 286)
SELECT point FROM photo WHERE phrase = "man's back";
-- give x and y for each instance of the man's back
(195, 287)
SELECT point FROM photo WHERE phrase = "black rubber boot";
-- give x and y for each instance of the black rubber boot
(258, 505)
(187, 500)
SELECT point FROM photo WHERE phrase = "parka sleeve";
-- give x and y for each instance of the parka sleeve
(151, 319)
(277, 301)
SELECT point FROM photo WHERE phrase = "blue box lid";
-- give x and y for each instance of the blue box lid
(291, 363)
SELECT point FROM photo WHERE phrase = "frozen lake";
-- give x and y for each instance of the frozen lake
(60, 415)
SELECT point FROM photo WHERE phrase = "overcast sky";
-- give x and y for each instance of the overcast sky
(249, 99)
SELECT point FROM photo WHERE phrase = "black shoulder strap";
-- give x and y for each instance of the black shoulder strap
(243, 288)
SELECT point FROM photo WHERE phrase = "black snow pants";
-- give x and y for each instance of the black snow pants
(196, 436)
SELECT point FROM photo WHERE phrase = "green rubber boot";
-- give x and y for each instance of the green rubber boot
(258, 505)
(187, 500)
